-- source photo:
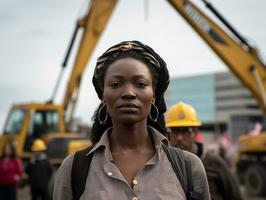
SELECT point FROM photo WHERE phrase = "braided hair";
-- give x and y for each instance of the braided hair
(155, 64)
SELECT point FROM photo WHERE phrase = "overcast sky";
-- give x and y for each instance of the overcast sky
(34, 36)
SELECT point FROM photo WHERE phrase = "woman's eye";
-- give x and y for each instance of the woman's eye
(115, 85)
(141, 84)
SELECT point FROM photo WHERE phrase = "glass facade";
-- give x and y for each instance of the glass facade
(199, 91)
(219, 99)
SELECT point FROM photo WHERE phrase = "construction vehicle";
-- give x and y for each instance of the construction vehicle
(247, 65)
(241, 58)
(50, 121)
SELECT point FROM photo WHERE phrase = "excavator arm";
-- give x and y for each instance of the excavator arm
(93, 25)
(242, 59)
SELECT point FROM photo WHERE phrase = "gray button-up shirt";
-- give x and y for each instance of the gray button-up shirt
(156, 180)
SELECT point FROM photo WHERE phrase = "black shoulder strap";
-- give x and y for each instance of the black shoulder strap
(192, 195)
(177, 160)
(79, 172)
(182, 169)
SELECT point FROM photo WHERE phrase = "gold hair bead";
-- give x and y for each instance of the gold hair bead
(125, 47)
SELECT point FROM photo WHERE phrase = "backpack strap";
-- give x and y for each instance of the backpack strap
(192, 195)
(182, 169)
(177, 160)
(79, 171)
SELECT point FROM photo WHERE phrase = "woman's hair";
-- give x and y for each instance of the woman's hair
(12, 150)
(156, 66)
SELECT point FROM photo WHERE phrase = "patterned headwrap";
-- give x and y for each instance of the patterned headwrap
(151, 57)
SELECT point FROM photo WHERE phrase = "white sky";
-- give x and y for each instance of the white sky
(35, 34)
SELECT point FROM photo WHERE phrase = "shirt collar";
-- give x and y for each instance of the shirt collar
(157, 138)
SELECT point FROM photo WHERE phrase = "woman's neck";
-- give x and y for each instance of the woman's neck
(130, 137)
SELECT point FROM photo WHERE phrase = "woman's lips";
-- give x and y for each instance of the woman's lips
(128, 107)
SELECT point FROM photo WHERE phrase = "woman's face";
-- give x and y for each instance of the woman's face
(7, 150)
(128, 91)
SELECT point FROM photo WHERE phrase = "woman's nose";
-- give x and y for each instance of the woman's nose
(128, 92)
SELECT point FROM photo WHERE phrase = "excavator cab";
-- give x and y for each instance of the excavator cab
(42, 122)
(27, 122)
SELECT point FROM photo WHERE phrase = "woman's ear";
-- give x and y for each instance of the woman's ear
(103, 101)
(153, 99)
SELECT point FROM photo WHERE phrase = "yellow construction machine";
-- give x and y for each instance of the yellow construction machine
(49, 121)
(247, 65)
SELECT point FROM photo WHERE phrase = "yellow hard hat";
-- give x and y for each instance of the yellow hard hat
(38, 145)
(181, 115)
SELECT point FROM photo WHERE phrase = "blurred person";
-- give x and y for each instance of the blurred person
(256, 129)
(11, 169)
(128, 156)
(39, 171)
(182, 123)
(225, 147)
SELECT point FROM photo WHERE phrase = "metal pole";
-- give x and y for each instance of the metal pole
(57, 85)
(64, 64)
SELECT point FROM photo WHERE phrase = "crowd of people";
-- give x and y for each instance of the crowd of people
(136, 152)
(38, 171)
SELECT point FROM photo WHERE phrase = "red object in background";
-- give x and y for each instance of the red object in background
(199, 138)
(226, 141)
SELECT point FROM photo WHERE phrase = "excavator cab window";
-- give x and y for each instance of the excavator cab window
(43, 122)
(15, 122)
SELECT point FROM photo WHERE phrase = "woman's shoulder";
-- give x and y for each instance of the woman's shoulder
(67, 163)
(199, 180)
(196, 165)
(192, 158)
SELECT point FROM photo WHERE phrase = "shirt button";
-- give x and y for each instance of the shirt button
(110, 173)
(135, 182)
(135, 198)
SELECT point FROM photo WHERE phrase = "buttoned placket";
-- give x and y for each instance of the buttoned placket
(113, 172)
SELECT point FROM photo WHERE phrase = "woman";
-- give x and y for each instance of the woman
(128, 132)
(11, 169)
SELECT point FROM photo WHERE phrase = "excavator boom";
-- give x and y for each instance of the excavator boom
(93, 25)
(242, 59)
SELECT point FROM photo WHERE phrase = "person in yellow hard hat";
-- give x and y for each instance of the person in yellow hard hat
(39, 171)
(183, 126)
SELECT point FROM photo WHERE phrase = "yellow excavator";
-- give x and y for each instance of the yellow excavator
(50, 121)
(242, 59)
